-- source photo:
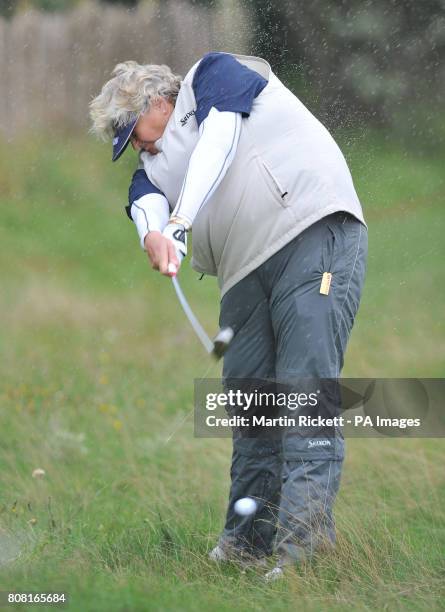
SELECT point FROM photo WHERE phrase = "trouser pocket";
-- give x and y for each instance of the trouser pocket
(328, 250)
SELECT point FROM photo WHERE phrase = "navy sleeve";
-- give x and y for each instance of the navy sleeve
(140, 186)
(222, 81)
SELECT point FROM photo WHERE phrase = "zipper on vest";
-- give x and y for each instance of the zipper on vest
(283, 193)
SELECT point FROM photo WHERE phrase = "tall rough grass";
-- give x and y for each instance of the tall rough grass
(96, 389)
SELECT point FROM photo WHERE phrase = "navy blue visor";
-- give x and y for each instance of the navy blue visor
(122, 138)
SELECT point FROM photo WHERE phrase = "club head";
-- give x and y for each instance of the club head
(221, 341)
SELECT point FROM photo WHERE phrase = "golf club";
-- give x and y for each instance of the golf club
(216, 347)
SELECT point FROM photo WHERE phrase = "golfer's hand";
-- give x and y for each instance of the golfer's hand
(161, 251)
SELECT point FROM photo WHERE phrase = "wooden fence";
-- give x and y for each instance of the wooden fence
(52, 64)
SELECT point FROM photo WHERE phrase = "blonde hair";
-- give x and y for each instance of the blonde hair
(131, 91)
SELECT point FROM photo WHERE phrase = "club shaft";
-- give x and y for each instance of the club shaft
(205, 340)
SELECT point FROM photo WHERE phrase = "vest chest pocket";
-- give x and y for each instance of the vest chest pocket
(277, 189)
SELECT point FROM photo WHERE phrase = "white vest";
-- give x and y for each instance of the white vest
(287, 173)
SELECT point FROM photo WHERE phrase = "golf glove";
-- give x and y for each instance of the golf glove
(177, 234)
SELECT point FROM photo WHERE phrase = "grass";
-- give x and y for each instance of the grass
(94, 382)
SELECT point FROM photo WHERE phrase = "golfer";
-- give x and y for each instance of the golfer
(231, 154)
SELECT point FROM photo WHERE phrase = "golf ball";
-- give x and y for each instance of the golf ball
(245, 506)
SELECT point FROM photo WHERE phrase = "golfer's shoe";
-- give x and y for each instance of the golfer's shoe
(219, 555)
(277, 573)
(246, 561)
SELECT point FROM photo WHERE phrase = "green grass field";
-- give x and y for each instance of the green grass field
(97, 373)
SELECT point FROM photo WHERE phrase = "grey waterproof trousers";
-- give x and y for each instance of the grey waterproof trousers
(286, 330)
